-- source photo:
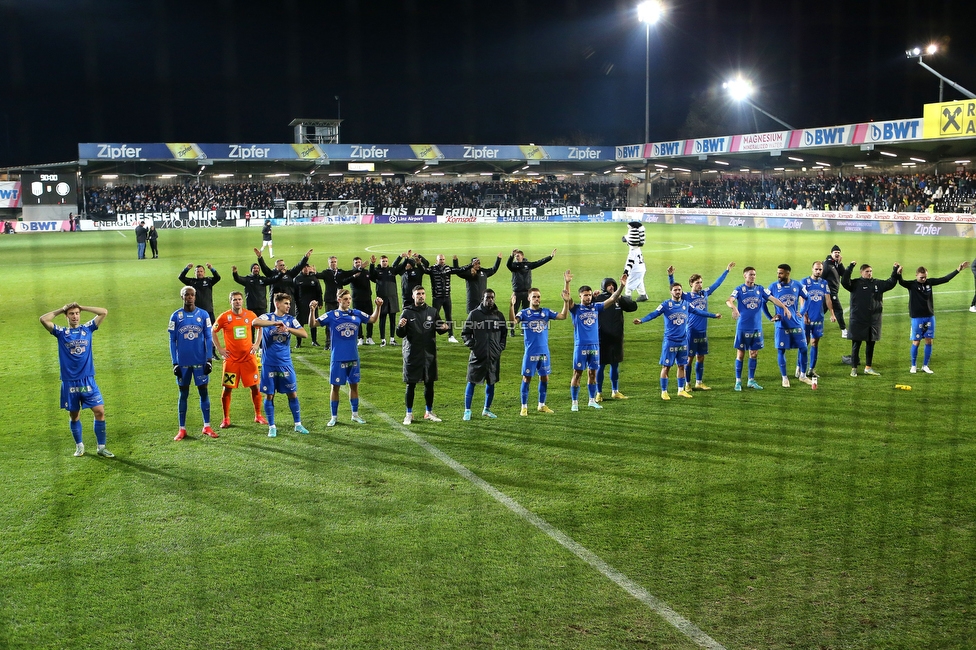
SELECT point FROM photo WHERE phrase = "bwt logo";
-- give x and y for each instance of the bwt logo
(824, 136)
(630, 151)
(479, 152)
(583, 153)
(667, 149)
(895, 130)
(710, 145)
(121, 151)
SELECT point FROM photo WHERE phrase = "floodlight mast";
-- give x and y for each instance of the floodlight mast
(740, 89)
(648, 12)
(932, 49)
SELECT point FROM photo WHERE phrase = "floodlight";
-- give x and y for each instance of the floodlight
(650, 11)
(739, 89)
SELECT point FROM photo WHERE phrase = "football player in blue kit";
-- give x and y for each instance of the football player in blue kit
(534, 321)
(277, 370)
(746, 303)
(191, 350)
(817, 305)
(790, 333)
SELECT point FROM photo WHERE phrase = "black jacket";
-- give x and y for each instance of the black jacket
(255, 297)
(141, 232)
(611, 323)
(361, 287)
(204, 287)
(477, 283)
(307, 288)
(440, 279)
(419, 343)
(833, 271)
(920, 294)
(334, 280)
(412, 273)
(522, 272)
(864, 321)
(485, 333)
(282, 282)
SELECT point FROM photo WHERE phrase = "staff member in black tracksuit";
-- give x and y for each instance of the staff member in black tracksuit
(334, 279)
(385, 279)
(867, 295)
(307, 289)
(411, 267)
(362, 296)
(255, 296)
(283, 279)
(418, 327)
(521, 270)
(476, 279)
(611, 324)
(204, 287)
(832, 273)
(440, 291)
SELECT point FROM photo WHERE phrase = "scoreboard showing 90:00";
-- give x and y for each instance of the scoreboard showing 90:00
(49, 189)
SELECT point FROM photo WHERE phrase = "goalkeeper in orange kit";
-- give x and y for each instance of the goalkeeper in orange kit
(239, 353)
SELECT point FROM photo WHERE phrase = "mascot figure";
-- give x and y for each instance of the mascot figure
(635, 261)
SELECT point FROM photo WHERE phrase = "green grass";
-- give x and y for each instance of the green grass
(836, 518)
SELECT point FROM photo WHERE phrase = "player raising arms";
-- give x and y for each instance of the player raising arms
(277, 371)
(344, 324)
(586, 336)
(78, 387)
(922, 311)
(674, 345)
(534, 322)
(746, 303)
(239, 353)
(789, 328)
(816, 306)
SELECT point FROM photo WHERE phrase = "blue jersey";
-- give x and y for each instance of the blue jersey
(749, 302)
(676, 318)
(75, 350)
(815, 306)
(190, 337)
(275, 345)
(344, 326)
(699, 300)
(535, 327)
(586, 328)
(789, 294)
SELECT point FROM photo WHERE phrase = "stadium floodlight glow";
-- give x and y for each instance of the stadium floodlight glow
(710, 171)
(485, 174)
(336, 174)
(386, 174)
(816, 167)
(720, 162)
(526, 167)
(648, 12)
(744, 169)
(578, 173)
(921, 160)
(888, 153)
(223, 176)
(167, 175)
(531, 173)
(740, 89)
(779, 169)
(660, 166)
(822, 163)
(908, 164)
(608, 171)
(861, 166)
(437, 173)
(931, 49)
(961, 162)
(681, 169)
(110, 177)
(795, 159)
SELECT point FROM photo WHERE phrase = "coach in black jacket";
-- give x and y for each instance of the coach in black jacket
(865, 313)
(411, 267)
(362, 296)
(521, 270)
(440, 290)
(833, 271)
(611, 323)
(476, 279)
(384, 277)
(282, 278)
(485, 335)
(418, 327)
(307, 289)
(254, 289)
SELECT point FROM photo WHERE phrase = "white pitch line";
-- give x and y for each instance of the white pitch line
(122, 233)
(661, 608)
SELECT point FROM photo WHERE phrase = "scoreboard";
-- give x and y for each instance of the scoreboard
(49, 189)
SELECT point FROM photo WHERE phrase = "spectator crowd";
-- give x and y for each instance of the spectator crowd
(376, 194)
(953, 192)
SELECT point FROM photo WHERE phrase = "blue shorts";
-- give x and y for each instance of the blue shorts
(278, 379)
(814, 329)
(923, 328)
(200, 378)
(751, 340)
(697, 342)
(672, 354)
(342, 372)
(586, 357)
(792, 338)
(536, 364)
(83, 394)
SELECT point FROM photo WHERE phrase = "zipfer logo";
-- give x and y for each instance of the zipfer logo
(113, 152)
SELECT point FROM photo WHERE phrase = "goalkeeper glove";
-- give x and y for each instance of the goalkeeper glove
(207, 368)
(176, 369)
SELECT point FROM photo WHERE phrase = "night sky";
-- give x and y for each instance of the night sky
(422, 71)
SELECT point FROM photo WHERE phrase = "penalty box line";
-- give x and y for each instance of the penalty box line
(661, 608)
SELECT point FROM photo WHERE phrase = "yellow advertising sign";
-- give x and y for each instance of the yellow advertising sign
(426, 151)
(185, 150)
(534, 152)
(308, 151)
(949, 119)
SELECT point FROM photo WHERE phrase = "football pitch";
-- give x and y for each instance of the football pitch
(785, 518)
